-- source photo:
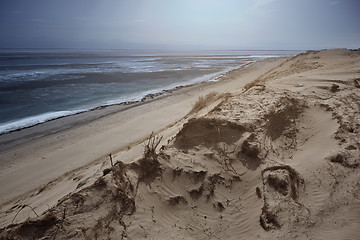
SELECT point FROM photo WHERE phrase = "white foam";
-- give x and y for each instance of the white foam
(33, 120)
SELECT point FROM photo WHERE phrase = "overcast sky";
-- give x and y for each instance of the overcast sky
(180, 24)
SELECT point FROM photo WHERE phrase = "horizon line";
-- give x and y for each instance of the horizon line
(158, 49)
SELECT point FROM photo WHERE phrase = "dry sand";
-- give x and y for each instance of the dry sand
(277, 158)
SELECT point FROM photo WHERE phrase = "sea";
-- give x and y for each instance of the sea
(38, 85)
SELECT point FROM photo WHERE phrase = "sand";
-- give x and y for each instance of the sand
(270, 151)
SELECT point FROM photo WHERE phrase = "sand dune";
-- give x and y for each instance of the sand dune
(275, 159)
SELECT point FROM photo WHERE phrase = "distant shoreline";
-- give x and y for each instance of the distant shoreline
(14, 137)
(38, 119)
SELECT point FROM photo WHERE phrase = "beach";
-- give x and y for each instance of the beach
(269, 151)
(101, 131)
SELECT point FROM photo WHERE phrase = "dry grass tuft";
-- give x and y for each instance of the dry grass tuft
(204, 101)
(148, 167)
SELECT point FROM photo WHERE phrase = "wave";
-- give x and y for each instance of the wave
(34, 120)
(8, 76)
(133, 98)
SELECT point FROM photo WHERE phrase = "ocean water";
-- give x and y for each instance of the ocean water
(40, 85)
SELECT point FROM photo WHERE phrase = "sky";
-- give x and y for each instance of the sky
(180, 24)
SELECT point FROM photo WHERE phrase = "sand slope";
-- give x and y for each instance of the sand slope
(278, 159)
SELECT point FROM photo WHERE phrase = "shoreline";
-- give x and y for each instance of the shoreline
(143, 99)
(46, 151)
(91, 114)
